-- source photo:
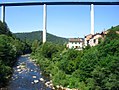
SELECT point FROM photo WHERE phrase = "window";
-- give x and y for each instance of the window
(75, 42)
(94, 40)
(87, 41)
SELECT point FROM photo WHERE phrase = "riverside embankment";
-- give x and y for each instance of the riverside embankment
(27, 76)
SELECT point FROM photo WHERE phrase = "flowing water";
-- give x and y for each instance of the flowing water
(27, 76)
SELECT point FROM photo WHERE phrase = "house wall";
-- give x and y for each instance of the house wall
(77, 45)
(87, 39)
(95, 40)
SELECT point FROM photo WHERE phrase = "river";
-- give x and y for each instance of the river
(27, 76)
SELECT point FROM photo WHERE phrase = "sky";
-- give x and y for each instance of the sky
(64, 21)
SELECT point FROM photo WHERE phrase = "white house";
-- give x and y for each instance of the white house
(75, 43)
(91, 40)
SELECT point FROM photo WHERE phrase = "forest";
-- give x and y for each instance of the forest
(37, 35)
(93, 68)
(10, 49)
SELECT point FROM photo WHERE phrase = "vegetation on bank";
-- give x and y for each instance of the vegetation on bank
(95, 68)
(10, 49)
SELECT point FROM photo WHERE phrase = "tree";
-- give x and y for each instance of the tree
(35, 45)
(4, 29)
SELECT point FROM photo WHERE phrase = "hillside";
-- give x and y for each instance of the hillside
(115, 28)
(37, 35)
(93, 68)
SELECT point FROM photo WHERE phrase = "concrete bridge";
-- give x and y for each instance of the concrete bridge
(3, 5)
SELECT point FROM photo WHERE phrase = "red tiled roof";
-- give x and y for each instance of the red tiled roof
(75, 39)
(88, 37)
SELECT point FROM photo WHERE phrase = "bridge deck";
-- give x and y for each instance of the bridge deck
(58, 3)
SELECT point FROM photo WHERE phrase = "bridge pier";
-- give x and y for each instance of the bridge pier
(44, 22)
(92, 18)
(3, 13)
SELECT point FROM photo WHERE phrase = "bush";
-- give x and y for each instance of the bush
(94, 68)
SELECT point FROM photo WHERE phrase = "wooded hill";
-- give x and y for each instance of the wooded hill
(37, 35)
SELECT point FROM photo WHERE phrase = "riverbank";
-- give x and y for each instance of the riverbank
(90, 69)
(54, 60)
(27, 76)
(49, 83)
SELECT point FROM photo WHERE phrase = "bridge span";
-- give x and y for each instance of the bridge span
(3, 5)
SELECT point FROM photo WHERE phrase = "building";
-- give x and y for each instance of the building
(75, 43)
(87, 40)
(93, 40)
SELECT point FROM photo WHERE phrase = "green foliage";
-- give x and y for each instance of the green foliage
(69, 62)
(7, 57)
(4, 29)
(59, 78)
(116, 28)
(94, 68)
(10, 49)
(35, 45)
(37, 35)
(111, 35)
(7, 49)
(87, 47)
(48, 49)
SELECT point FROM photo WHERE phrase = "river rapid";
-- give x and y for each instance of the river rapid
(27, 76)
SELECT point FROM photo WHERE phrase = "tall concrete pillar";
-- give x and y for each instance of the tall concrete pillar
(92, 18)
(44, 22)
(3, 13)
